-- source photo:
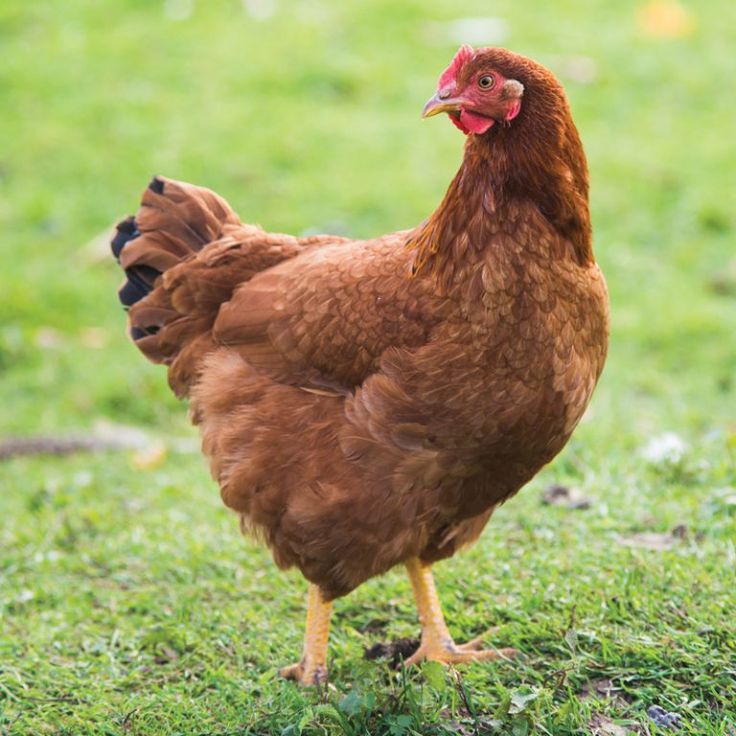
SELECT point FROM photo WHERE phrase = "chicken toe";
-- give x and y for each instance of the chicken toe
(305, 673)
(451, 653)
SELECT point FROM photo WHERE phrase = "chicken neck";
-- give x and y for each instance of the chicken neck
(507, 176)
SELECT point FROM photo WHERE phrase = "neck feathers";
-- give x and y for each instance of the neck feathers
(536, 161)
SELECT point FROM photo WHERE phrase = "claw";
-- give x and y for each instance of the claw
(476, 642)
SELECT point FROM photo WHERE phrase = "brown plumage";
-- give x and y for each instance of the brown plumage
(364, 404)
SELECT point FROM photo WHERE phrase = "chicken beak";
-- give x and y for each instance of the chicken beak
(437, 104)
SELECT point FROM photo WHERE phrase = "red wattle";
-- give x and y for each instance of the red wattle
(474, 123)
(456, 122)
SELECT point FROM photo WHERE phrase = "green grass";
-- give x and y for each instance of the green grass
(129, 603)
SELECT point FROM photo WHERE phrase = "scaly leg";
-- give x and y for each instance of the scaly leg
(437, 644)
(312, 668)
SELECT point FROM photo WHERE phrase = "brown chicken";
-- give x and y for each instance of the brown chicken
(369, 403)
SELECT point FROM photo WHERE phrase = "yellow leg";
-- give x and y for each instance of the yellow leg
(312, 668)
(436, 643)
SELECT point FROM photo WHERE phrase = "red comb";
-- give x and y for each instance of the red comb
(463, 55)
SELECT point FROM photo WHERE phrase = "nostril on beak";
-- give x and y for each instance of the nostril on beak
(443, 94)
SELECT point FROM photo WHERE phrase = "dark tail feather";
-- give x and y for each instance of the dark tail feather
(127, 230)
(173, 292)
(141, 277)
(156, 249)
(175, 221)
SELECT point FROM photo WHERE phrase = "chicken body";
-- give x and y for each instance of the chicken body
(369, 403)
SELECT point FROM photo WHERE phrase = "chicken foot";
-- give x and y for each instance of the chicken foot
(436, 643)
(312, 668)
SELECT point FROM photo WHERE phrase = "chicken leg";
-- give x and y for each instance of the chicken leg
(436, 643)
(312, 668)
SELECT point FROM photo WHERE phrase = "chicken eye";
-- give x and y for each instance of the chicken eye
(486, 82)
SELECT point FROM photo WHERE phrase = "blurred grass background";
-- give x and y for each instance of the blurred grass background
(120, 572)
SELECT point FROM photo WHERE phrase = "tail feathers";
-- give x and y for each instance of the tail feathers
(140, 278)
(175, 221)
(127, 230)
(173, 292)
